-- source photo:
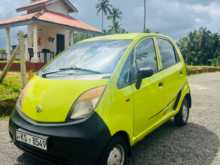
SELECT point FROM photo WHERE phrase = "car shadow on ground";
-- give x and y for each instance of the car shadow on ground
(169, 145)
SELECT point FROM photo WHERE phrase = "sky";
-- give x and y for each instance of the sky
(175, 18)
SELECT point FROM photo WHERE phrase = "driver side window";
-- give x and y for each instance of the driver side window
(146, 55)
(128, 74)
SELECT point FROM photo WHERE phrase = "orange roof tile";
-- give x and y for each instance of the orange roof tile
(51, 17)
(66, 20)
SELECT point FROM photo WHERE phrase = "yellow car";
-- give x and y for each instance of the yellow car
(100, 97)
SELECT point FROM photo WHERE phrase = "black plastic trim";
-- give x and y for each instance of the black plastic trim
(80, 143)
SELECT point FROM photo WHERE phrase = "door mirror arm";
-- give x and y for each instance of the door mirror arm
(142, 74)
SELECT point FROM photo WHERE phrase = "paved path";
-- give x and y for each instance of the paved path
(196, 144)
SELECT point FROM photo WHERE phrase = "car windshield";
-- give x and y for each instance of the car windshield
(94, 57)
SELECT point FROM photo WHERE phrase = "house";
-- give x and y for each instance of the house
(50, 28)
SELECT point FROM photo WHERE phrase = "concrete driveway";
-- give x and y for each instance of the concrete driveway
(196, 144)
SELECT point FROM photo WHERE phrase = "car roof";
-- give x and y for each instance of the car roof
(126, 36)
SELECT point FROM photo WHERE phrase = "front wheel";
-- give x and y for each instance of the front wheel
(116, 153)
(181, 119)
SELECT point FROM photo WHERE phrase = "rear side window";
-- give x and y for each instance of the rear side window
(146, 55)
(167, 53)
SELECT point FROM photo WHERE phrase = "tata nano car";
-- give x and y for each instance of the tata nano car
(100, 97)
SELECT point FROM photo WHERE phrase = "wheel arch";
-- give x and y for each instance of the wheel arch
(125, 136)
(189, 99)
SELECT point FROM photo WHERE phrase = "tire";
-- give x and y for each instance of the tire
(181, 119)
(111, 155)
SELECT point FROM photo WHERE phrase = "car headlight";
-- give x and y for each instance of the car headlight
(87, 103)
(18, 103)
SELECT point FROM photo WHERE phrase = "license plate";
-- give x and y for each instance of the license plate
(37, 141)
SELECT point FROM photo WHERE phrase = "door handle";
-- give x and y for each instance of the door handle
(128, 100)
(181, 72)
(160, 84)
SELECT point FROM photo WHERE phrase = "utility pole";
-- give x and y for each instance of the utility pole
(145, 14)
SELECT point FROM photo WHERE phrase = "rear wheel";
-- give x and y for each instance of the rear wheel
(181, 119)
(116, 153)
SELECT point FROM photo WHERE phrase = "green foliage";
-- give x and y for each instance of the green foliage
(201, 47)
(216, 61)
(2, 51)
(147, 30)
(81, 36)
(10, 88)
(9, 91)
(115, 15)
(104, 7)
(115, 18)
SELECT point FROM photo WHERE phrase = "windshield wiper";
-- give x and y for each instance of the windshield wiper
(79, 69)
(44, 75)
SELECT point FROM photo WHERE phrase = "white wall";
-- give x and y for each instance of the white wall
(44, 33)
(58, 7)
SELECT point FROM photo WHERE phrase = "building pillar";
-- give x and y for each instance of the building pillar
(26, 48)
(71, 38)
(35, 59)
(8, 42)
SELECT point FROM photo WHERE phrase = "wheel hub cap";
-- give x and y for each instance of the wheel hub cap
(185, 113)
(116, 156)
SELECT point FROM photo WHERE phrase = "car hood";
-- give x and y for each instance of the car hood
(50, 100)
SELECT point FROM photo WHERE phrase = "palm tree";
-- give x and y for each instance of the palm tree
(103, 7)
(115, 16)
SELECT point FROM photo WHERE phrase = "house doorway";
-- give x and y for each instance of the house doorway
(60, 43)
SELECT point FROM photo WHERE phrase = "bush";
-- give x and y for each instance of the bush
(9, 91)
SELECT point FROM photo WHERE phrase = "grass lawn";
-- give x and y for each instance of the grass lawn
(10, 87)
(16, 61)
(9, 91)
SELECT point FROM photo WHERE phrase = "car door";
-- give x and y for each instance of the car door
(172, 73)
(147, 99)
(122, 106)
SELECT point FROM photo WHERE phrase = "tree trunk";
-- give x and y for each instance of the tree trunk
(22, 58)
(8, 65)
(20, 47)
(102, 21)
(145, 12)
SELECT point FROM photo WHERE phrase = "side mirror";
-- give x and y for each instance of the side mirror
(142, 74)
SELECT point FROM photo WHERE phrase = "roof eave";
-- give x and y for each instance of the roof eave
(18, 23)
(29, 7)
(35, 20)
(67, 27)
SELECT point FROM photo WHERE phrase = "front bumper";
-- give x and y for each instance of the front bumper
(75, 143)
